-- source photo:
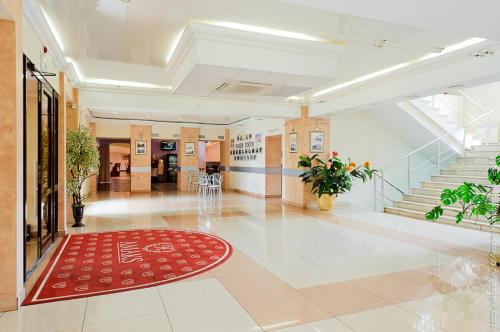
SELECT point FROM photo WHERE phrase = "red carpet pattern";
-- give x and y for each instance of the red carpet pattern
(92, 264)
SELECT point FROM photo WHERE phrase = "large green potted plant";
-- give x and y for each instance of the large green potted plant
(332, 177)
(82, 162)
(473, 200)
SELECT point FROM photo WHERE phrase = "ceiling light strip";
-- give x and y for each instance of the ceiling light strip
(446, 50)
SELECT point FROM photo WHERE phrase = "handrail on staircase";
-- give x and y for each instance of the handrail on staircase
(435, 140)
(408, 156)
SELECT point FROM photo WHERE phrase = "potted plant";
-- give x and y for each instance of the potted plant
(473, 200)
(332, 177)
(82, 162)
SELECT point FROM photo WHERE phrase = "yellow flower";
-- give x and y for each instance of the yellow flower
(366, 164)
(352, 164)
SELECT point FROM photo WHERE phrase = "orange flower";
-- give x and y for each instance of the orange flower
(366, 164)
(352, 164)
(348, 168)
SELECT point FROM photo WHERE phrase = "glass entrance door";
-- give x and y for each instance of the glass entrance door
(40, 167)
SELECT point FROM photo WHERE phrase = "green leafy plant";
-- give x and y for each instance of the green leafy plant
(332, 177)
(82, 162)
(473, 199)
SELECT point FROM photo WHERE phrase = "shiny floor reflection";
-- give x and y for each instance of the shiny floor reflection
(292, 270)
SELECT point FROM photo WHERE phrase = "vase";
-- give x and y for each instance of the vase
(78, 216)
(325, 202)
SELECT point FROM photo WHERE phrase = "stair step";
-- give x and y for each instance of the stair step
(489, 147)
(474, 160)
(449, 211)
(475, 153)
(464, 166)
(471, 224)
(457, 179)
(433, 200)
(427, 192)
(438, 185)
(466, 172)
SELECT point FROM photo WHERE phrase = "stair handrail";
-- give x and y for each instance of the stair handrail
(473, 102)
(435, 140)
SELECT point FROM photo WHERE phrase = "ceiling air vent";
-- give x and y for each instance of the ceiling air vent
(243, 87)
(155, 135)
(176, 135)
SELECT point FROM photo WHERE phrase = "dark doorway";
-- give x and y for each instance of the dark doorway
(114, 170)
(40, 166)
(164, 165)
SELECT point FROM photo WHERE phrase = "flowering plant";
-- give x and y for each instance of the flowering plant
(334, 176)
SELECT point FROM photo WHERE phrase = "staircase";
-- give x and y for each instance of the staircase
(471, 167)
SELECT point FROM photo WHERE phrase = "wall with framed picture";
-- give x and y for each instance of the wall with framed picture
(316, 141)
(141, 147)
(293, 142)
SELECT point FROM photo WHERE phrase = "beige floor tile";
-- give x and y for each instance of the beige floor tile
(343, 298)
(153, 323)
(396, 287)
(327, 325)
(282, 310)
(387, 319)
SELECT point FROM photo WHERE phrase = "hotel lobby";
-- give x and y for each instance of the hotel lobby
(227, 166)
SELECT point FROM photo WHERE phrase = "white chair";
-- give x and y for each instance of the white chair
(203, 184)
(215, 187)
(192, 181)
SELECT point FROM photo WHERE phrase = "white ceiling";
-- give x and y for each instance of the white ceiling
(159, 116)
(478, 18)
(143, 31)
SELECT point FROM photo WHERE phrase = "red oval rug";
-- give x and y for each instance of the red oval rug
(91, 264)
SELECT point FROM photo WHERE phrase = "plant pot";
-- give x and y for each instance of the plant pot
(78, 215)
(325, 202)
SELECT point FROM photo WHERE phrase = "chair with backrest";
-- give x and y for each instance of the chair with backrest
(215, 187)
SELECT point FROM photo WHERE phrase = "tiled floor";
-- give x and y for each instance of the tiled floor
(292, 270)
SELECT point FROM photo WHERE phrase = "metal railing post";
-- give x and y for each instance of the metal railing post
(488, 129)
(382, 189)
(409, 176)
(437, 157)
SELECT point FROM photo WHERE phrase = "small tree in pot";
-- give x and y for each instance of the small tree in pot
(82, 162)
(332, 177)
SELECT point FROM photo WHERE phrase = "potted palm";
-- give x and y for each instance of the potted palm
(473, 200)
(332, 177)
(82, 162)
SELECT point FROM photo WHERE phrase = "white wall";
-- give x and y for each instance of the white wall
(163, 130)
(253, 182)
(361, 137)
(32, 47)
(488, 97)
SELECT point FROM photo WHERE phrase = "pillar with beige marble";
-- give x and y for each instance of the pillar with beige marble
(225, 147)
(140, 164)
(295, 192)
(11, 149)
(187, 163)
(61, 177)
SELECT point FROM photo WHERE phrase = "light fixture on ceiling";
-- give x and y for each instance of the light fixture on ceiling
(295, 98)
(446, 50)
(52, 28)
(103, 81)
(126, 1)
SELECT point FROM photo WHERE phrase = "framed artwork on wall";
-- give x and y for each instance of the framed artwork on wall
(316, 140)
(190, 151)
(293, 142)
(141, 148)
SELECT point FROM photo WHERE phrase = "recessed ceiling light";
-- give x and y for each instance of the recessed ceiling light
(446, 50)
(115, 112)
(127, 83)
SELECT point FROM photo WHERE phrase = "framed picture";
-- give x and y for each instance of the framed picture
(293, 142)
(141, 147)
(316, 140)
(190, 151)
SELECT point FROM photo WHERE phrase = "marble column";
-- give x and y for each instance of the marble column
(11, 156)
(187, 163)
(225, 147)
(61, 136)
(140, 164)
(295, 192)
